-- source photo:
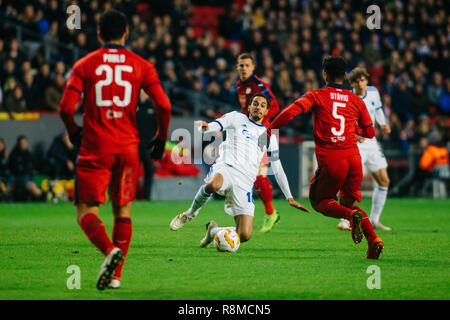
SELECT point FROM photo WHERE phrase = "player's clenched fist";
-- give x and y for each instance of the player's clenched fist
(156, 148)
(75, 138)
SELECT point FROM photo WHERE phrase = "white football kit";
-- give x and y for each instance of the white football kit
(371, 154)
(239, 159)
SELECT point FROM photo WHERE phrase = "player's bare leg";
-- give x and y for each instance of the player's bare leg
(201, 198)
(121, 236)
(264, 188)
(93, 227)
(244, 226)
(379, 198)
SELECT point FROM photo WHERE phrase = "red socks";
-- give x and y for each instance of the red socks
(122, 237)
(366, 226)
(330, 208)
(264, 188)
(95, 230)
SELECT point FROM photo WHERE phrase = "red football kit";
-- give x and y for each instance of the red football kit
(338, 114)
(110, 80)
(246, 89)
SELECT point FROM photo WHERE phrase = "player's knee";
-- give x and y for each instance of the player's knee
(245, 235)
(384, 182)
(213, 186)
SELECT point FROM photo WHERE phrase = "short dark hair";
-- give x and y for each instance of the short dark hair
(259, 94)
(335, 67)
(246, 55)
(357, 73)
(112, 25)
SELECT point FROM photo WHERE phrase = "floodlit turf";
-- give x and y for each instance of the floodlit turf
(303, 257)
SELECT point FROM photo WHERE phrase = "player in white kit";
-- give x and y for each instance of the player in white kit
(371, 154)
(235, 170)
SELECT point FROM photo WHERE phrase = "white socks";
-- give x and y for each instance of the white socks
(378, 200)
(217, 229)
(200, 199)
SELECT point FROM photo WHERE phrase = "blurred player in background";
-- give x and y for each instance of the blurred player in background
(235, 170)
(110, 80)
(248, 85)
(338, 115)
(371, 154)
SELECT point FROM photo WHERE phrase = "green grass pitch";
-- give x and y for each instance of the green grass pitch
(303, 257)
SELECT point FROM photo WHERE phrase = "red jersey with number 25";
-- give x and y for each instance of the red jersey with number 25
(110, 79)
(338, 113)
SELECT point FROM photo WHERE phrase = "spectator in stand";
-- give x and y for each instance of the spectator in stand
(30, 91)
(435, 89)
(61, 158)
(14, 101)
(444, 101)
(418, 100)
(9, 71)
(54, 93)
(43, 81)
(20, 164)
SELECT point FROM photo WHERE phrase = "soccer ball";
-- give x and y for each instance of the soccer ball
(227, 240)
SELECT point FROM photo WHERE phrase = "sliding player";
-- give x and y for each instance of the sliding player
(235, 170)
(110, 80)
(338, 115)
(371, 154)
(248, 85)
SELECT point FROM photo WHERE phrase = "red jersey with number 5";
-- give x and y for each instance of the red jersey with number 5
(337, 113)
(110, 79)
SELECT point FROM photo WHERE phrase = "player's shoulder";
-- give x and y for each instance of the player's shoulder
(259, 82)
(138, 58)
(83, 61)
(372, 91)
(236, 115)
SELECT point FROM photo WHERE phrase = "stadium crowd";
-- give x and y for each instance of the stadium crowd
(195, 51)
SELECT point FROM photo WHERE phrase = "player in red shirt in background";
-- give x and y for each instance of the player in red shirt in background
(110, 80)
(338, 115)
(248, 85)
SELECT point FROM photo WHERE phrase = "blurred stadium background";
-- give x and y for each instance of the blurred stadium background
(194, 45)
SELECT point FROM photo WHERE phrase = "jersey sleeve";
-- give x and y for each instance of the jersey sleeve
(152, 86)
(299, 106)
(75, 81)
(273, 150)
(72, 92)
(365, 125)
(273, 107)
(379, 112)
(226, 121)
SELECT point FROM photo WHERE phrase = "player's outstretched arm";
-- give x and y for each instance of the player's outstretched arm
(67, 111)
(282, 181)
(163, 114)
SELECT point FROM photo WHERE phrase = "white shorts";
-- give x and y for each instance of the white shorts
(373, 158)
(237, 190)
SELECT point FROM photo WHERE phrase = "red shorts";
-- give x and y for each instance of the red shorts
(342, 175)
(96, 172)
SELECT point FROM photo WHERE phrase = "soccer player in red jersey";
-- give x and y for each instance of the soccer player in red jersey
(109, 80)
(338, 115)
(248, 85)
